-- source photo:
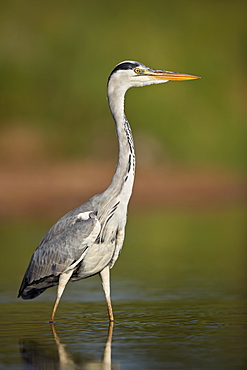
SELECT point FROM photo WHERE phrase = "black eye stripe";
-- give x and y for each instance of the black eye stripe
(124, 66)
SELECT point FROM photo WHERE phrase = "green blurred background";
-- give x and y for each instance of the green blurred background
(55, 60)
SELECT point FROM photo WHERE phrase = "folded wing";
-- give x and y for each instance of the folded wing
(61, 250)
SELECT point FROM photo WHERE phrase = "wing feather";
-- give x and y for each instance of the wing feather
(61, 249)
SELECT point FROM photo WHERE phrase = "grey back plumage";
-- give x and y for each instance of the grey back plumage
(62, 246)
(70, 238)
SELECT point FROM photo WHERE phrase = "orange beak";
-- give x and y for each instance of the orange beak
(171, 76)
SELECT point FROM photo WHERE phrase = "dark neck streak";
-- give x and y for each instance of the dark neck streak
(124, 175)
(126, 158)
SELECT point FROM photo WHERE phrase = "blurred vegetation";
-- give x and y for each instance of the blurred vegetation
(56, 57)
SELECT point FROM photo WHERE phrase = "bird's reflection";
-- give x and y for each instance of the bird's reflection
(36, 356)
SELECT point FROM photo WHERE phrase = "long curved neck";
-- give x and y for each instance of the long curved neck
(123, 179)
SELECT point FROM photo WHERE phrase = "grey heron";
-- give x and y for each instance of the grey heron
(88, 240)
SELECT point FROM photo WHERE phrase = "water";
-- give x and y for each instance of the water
(179, 331)
(179, 302)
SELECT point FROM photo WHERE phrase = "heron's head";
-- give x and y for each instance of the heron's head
(130, 74)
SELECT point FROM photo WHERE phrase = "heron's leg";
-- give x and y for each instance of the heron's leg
(105, 279)
(63, 280)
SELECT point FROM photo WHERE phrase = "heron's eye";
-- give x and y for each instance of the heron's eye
(137, 70)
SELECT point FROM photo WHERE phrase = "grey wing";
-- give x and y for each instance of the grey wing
(60, 252)
(67, 220)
